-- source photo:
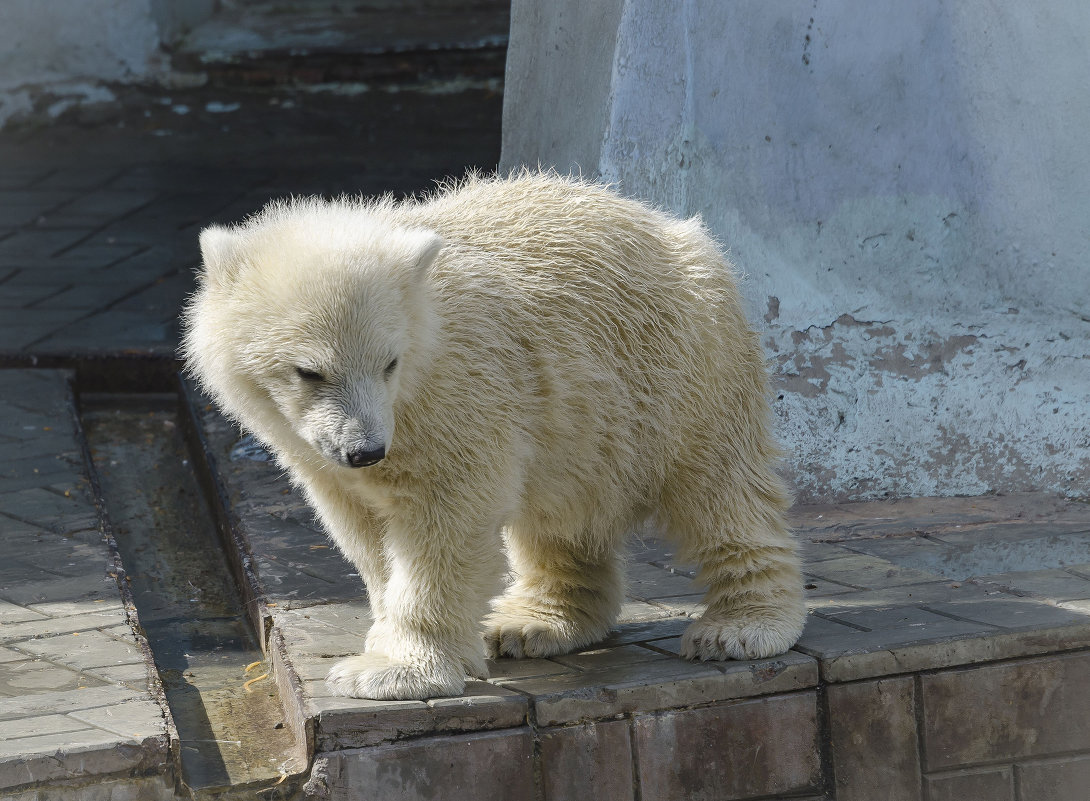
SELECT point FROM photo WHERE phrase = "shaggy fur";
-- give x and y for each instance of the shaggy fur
(546, 364)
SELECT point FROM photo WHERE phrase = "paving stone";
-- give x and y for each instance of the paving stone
(482, 706)
(1056, 584)
(762, 747)
(134, 719)
(313, 637)
(14, 613)
(985, 553)
(599, 658)
(42, 725)
(625, 633)
(488, 766)
(89, 649)
(874, 740)
(57, 756)
(987, 785)
(1010, 711)
(1062, 779)
(65, 701)
(666, 684)
(146, 788)
(354, 722)
(96, 208)
(817, 587)
(31, 676)
(597, 756)
(646, 581)
(903, 595)
(867, 572)
(16, 632)
(1011, 613)
(28, 246)
(511, 669)
(642, 611)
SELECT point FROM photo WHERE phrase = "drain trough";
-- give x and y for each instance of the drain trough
(232, 731)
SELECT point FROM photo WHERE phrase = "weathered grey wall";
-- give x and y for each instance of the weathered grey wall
(62, 52)
(906, 187)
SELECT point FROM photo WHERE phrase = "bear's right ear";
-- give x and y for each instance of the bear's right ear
(220, 249)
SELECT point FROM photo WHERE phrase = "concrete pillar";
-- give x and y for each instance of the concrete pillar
(906, 187)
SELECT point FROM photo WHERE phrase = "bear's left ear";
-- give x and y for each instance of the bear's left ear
(220, 248)
(424, 246)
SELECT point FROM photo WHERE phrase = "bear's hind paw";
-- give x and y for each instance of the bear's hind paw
(531, 637)
(757, 637)
(376, 676)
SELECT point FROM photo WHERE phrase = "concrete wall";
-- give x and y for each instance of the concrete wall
(906, 187)
(54, 53)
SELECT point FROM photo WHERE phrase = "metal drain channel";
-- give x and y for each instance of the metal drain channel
(231, 727)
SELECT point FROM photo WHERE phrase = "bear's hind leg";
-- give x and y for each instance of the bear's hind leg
(563, 598)
(737, 534)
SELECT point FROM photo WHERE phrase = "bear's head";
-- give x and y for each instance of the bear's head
(311, 320)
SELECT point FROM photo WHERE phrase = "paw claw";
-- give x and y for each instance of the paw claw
(527, 636)
(741, 636)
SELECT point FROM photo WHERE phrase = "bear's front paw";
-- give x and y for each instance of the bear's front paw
(376, 676)
(757, 635)
(527, 636)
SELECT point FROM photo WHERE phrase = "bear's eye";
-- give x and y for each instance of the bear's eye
(391, 367)
(307, 374)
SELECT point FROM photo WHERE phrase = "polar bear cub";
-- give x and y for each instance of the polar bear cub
(524, 367)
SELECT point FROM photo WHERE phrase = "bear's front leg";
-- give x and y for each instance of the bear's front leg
(440, 579)
(755, 606)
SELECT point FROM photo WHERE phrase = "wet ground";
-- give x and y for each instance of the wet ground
(230, 721)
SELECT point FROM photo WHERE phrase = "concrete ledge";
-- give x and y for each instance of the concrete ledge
(906, 602)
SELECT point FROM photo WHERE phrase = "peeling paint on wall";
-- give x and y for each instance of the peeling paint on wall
(903, 187)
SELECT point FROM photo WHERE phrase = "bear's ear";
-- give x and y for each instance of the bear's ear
(424, 246)
(220, 251)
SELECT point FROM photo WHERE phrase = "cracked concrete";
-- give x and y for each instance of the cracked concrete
(898, 190)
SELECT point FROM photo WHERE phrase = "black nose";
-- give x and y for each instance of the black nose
(365, 458)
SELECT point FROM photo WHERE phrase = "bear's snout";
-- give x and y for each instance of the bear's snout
(361, 457)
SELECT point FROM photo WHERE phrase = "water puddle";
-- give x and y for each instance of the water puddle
(231, 727)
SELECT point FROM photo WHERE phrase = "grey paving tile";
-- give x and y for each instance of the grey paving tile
(902, 595)
(65, 701)
(642, 611)
(64, 596)
(501, 670)
(23, 248)
(95, 208)
(88, 649)
(57, 757)
(646, 581)
(599, 658)
(17, 632)
(43, 725)
(315, 638)
(32, 677)
(133, 719)
(19, 328)
(1010, 613)
(14, 613)
(1056, 584)
(866, 572)
(666, 684)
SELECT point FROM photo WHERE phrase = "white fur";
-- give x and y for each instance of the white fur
(568, 363)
